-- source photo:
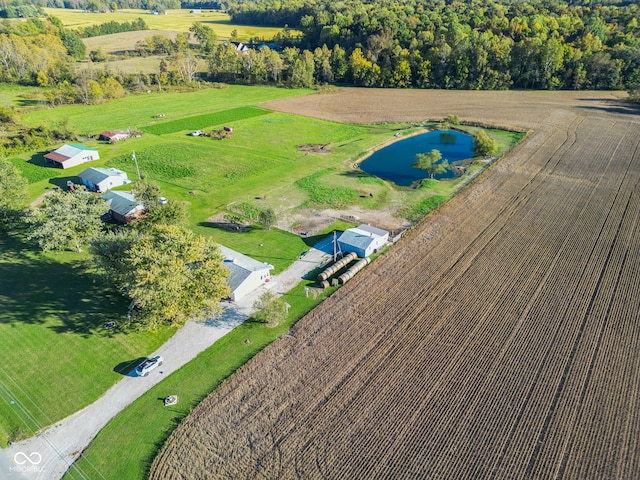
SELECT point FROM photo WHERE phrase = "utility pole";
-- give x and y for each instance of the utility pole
(133, 155)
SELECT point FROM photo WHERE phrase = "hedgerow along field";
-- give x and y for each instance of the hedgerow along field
(497, 339)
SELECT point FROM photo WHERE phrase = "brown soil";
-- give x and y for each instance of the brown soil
(497, 339)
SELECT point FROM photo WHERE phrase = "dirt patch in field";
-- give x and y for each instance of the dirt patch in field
(314, 148)
(315, 221)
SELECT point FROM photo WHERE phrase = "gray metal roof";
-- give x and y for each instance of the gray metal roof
(376, 231)
(121, 202)
(362, 236)
(240, 266)
(96, 175)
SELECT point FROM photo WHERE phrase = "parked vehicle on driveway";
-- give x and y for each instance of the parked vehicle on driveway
(148, 364)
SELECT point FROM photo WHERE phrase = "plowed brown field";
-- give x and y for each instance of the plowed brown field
(499, 339)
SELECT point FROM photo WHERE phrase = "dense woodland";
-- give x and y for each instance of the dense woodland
(543, 44)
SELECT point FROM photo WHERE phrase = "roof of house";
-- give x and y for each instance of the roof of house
(121, 202)
(375, 231)
(96, 175)
(67, 151)
(362, 236)
(113, 133)
(240, 266)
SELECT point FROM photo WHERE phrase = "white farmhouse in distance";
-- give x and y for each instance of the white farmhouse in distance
(363, 240)
(246, 274)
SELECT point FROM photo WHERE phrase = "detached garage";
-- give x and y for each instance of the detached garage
(71, 155)
(363, 240)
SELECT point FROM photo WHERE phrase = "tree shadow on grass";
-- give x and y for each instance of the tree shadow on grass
(37, 288)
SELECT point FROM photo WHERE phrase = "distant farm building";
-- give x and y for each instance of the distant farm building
(246, 274)
(71, 155)
(113, 136)
(102, 179)
(123, 206)
(363, 240)
(197, 11)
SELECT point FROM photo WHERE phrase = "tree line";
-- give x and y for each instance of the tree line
(544, 44)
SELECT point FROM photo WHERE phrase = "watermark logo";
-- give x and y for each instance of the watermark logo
(27, 463)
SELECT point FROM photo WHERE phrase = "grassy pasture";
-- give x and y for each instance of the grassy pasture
(205, 120)
(56, 357)
(174, 20)
(136, 111)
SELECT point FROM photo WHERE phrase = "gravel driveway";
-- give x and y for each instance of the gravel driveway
(49, 454)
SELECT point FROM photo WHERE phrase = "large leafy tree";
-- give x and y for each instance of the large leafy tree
(13, 192)
(170, 273)
(66, 220)
(169, 213)
(484, 145)
(430, 163)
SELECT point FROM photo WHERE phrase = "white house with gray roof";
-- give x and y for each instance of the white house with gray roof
(363, 240)
(103, 179)
(246, 274)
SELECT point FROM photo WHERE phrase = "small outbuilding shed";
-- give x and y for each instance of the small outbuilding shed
(114, 135)
(246, 274)
(71, 155)
(363, 240)
(123, 206)
(103, 179)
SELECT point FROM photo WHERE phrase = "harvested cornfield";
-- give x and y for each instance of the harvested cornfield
(498, 339)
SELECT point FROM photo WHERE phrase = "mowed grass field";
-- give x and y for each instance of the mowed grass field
(56, 355)
(174, 20)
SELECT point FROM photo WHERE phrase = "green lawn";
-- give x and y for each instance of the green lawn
(56, 355)
(135, 111)
(126, 447)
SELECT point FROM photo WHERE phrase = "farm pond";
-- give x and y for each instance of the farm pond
(394, 162)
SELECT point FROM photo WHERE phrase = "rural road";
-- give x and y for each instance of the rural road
(50, 453)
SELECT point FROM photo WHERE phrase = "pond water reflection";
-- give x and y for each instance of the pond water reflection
(394, 162)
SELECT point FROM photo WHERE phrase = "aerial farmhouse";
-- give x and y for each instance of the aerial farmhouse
(71, 155)
(246, 274)
(363, 240)
(103, 179)
(123, 206)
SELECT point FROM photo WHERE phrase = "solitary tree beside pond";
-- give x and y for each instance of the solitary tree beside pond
(429, 163)
(484, 145)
